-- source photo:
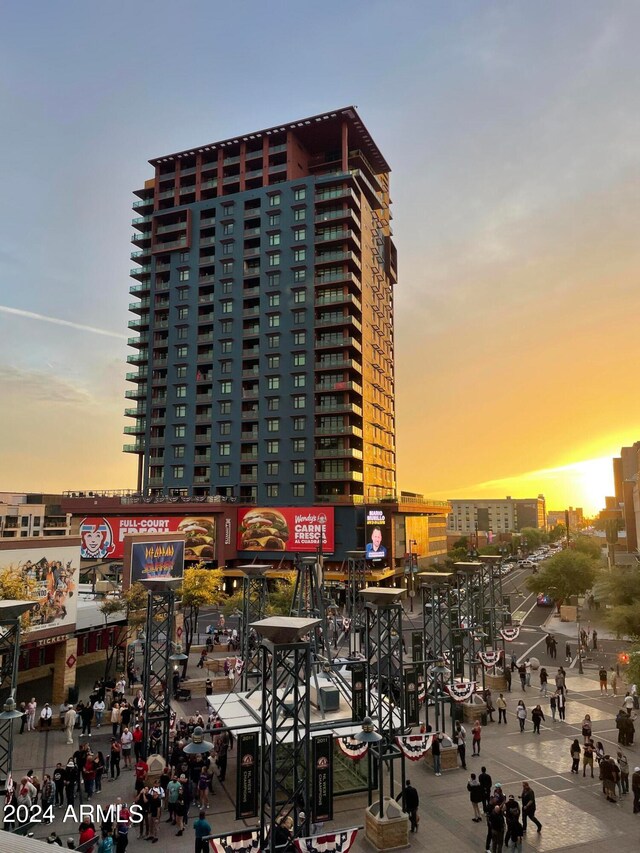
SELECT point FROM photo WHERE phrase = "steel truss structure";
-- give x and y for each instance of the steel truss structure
(356, 582)
(157, 671)
(254, 602)
(439, 602)
(9, 657)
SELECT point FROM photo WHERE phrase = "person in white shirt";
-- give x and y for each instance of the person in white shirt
(31, 715)
(126, 740)
(45, 716)
(69, 723)
(98, 710)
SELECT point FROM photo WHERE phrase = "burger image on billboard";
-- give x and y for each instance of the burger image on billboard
(264, 530)
(200, 541)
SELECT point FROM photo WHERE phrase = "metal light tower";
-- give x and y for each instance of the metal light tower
(285, 743)
(157, 672)
(436, 621)
(383, 643)
(309, 602)
(254, 602)
(356, 582)
(10, 615)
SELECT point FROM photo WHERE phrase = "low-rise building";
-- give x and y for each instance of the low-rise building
(23, 515)
(492, 515)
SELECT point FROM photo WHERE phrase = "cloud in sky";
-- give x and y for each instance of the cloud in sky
(31, 315)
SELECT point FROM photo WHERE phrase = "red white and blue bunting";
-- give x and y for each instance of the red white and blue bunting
(510, 634)
(415, 746)
(334, 842)
(352, 748)
(239, 842)
(489, 659)
(461, 691)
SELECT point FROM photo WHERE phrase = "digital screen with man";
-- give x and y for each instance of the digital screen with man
(375, 548)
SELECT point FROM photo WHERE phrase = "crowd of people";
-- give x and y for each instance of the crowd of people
(506, 819)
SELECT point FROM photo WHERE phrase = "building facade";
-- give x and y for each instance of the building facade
(626, 473)
(496, 516)
(558, 516)
(263, 319)
(25, 515)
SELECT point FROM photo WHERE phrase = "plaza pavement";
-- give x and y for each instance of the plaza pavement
(572, 810)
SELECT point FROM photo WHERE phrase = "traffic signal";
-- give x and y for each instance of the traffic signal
(623, 658)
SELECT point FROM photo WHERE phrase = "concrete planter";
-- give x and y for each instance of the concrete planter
(389, 831)
(496, 683)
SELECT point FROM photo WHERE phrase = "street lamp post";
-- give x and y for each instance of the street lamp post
(578, 618)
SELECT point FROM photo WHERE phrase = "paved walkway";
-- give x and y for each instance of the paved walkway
(572, 809)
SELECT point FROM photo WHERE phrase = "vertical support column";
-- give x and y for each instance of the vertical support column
(10, 614)
(309, 603)
(64, 670)
(157, 673)
(285, 744)
(356, 582)
(254, 600)
(345, 146)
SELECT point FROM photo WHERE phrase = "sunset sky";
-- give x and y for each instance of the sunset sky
(513, 132)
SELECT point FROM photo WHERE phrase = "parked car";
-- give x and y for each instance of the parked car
(544, 600)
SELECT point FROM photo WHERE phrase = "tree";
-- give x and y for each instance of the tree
(200, 587)
(565, 574)
(534, 537)
(463, 542)
(456, 555)
(587, 545)
(280, 597)
(131, 606)
(16, 586)
(558, 532)
(620, 588)
(632, 675)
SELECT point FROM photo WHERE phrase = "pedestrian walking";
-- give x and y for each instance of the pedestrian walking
(544, 678)
(98, 711)
(512, 817)
(522, 672)
(586, 728)
(623, 766)
(126, 740)
(475, 797)
(202, 829)
(537, 716)
(459, 738)
(69, 723)
(476, 736)
(501, 705)
(529, 807)
(587, 758)
(114, 763)
(561, 701)
(602, 675)
(507, 675)
(575, 756)
(553, 704)
(115, 720)
(610, 774)
(521, 714)
(567, 655)
(410, 803)
(527, 671)
(635, 787)
(32, 707)
(497, 825)
(436, 752)
(485, 783)
(553, 648)
(614, 682)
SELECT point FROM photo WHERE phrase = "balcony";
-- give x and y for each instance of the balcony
(231, 179)
(139, 322)
(136, 429)
(339, 235)
(138, 342)
(335, 341)
(139, 305)
(169, 247)
(140, 271)
(209, 185)
(333, 215)
(202, 459)
(205, 338)
(276, 149)
(343, 276)
(138, 376)
(254, 173)
(155, 482)
(249, 478)
(249, 457)
(173, 226)
(339, 320)
(200, 478)
(231, 161)
(188, 188)
(251, 312)
(203, 419)
(343, 452)
(350, 408)
(252, 232)
(204, 398)
(337, 257)
(339, 364)
(252, 252)
(341, 299)
(357, 476)
(339, 430)
(143, 202)
(204, 438)
(138, 447)
(339, 386)
(335, 193)
(250, 414)
(135, 413)
(167, 194)
(279, 167)
(140, 288)
(207, 279)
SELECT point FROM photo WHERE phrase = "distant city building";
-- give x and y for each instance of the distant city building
(626, 472)
(557, 516)
(23, 514)
(496, 516)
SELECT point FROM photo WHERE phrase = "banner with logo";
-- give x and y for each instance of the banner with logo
(161, 559)
(411, 703)
(102, 538)
(416, 650)
(285, 529)
(247, 782)
(322, 795)
(358, 693)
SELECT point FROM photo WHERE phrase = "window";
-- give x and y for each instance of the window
(184, 256)
(298, 490)
(183, 313)
(299, 380)
(224, 448)
(273, 424)
(226, 326)
(299, 359)
(178, 471)
(273, 300)
(180, 431)
(183, 275)
(300, 214)
(273, 404)
(300, 275)
(227, 248)
(225, 387)
(227, 306)
(273, 361)
(225, 366)
(181, 372)
(178, 451)
(274, 219)
(299, 296)
(298, 316)
(299, 401)
(274, 279)
(274, 239)
(299, 255)
(181, 411)
(273, 469)
(226, 346)
(273, 383)
(181, 391)
(182, 332)
(274, 321)
(299, 445)
(274, 259)
(299, 424)
(298, 468)
(227, 287)
(300, 194)
(273, 490)
(227, 267)
(227, 208)
(224, 469)
(300, 234)
(273, 445)
(182, 294)
(227, 228)
(274, 341)
(225, 407)
(299, 338)
(225, 427)
(274, 200)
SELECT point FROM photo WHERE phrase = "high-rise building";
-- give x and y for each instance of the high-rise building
(263, 312)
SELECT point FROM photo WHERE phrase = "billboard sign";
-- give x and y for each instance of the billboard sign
(103, 538)
(285, 529)
(50, 576)
(322, 779)
(157, 559)
(247, 781)
(377, 535)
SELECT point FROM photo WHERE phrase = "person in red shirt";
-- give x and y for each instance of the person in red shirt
(137, 741)
(87, 832)
(141, 769)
